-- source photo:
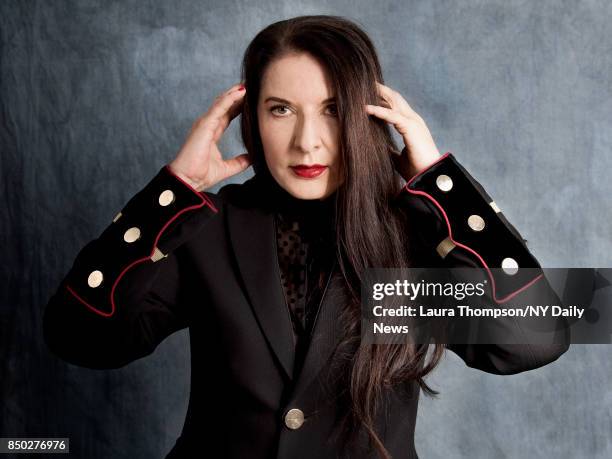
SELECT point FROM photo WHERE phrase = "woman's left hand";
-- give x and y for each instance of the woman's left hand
(421, 150)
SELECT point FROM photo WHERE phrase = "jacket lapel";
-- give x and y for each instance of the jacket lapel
(326, 330)
(252, 234)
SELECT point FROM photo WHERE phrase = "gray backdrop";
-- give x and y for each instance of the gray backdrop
(97, 95)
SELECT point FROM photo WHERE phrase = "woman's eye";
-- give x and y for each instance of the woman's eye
(284, 109)
(279, 107)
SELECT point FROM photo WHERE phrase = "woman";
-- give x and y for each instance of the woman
(266, 274)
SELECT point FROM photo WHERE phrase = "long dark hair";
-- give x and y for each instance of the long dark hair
(370, 231)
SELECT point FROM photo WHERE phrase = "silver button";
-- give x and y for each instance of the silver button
(294, 418)
(166, 198)
(444, 182)
(510, 266)
(476, 222)
(131, 235)
(95, 279)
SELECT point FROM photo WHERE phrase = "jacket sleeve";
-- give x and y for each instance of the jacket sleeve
(455, 223)
(125, 290)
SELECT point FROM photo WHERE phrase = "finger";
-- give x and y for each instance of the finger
(228, 91)
(402, 124)
(218, 116)
(397, 100)
(410, 116)
(236, 164)
(231, 89)
(386, 94)
(223, 103)
(234, 110)
(386, 114)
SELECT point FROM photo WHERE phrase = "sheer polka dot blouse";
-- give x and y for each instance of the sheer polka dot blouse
(305, 252)
(292, 262)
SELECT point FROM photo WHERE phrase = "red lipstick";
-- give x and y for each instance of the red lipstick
(308, 170)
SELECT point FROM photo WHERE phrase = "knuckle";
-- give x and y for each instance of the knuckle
(203, 123)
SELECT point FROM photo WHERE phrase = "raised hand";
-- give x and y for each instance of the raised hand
(421, 150)
(199, 162)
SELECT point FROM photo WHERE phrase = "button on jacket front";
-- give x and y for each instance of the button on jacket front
(174, 258)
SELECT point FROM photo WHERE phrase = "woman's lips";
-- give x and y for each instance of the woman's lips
(308, 171)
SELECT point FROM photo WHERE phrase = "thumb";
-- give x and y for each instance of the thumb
(237, 164)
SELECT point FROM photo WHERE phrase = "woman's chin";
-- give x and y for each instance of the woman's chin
(308, 190)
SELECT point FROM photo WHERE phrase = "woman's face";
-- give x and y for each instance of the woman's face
(298, 125)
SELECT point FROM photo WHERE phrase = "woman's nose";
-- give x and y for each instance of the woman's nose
(307, 135)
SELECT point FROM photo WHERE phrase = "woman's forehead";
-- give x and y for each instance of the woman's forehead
(296, 78)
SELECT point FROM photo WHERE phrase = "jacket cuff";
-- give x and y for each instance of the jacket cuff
(153, 223)
(475, 224)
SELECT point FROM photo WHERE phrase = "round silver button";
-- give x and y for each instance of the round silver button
(95, 279)
(476, 222)
(131, 235)
(294, 418)
(444, 182)
(510, 266)
(166, 198)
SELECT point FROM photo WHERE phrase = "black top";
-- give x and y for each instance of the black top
(305, 233)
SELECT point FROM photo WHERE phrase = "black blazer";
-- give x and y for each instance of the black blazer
(175, 258)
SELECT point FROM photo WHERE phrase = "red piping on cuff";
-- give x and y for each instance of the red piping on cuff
(205, 200)
(428, 167)
(201, 195)
(209, 202)
(465, 247)
(96, 310)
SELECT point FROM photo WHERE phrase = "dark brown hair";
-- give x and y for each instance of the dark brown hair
(370, 231)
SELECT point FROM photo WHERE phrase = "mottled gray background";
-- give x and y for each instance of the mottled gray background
(97, 95)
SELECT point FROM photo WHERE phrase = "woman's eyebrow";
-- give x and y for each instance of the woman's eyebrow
(285, 101)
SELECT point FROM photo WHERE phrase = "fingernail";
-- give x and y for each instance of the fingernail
(241, 87)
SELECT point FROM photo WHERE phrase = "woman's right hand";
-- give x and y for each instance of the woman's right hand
(199, 162)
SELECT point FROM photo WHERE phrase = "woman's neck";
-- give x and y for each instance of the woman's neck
(314, 215)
